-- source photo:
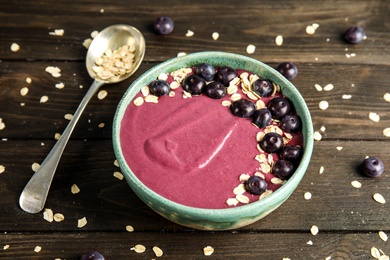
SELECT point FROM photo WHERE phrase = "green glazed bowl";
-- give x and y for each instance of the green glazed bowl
(215, 219)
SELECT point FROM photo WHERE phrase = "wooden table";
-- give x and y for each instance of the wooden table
(348, 218)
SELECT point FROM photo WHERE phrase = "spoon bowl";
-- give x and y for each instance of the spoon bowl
(33, 197)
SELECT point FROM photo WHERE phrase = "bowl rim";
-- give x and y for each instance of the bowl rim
(207, 56)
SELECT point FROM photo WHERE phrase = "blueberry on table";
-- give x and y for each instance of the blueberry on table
(288, 69)
(93, 255)
(194, 84)
(373, 167)
(226, 74)
(279, 107)
(291, 123)
(215, 90)
(272, 142)
(163, 25)
(206, 70)
(255, 185)
(354, 34)
(159, 88)
(283, 169)
(262, 117)
(291, 153)
(243, 108)
(263, 87)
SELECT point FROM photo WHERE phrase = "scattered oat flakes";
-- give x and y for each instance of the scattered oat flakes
(28, 80)
(240, 189)
(138, 248)
(373, 117)
(57, 32)
(2, 169)
(307, 195)
(310, 243)
(339, 148)
(102, 94)
(383, 235)
(311, 29)
(74, 189)
(276, 180)
(321, 171)
(208, 250)
(215, 36)
(101, 125)
(232, 202)
(242, 198)
(68, 116)
(317, 136)
(44, 99)
(94, 34)
(138, 101)
(250, 49)
(226, 103)
(375, 252)
(157, 251)
(48, 215)
(35, 166)
(24, 91)
(37, 249)
(15, 47)
(180, 54)
(2, 125)
(60, 85)
(279, 40)
(235, 97)
(346, 96)
(118, 175)
(314, 230)
(87, 43)
(379, 198)
(189, 33)
(54, 71)
(58, 217)
(129, 228)
(82, 222)
(152, 98)
(323, 105)
(386, 132)
(356, 184)
(57, 136)
(318, 87)
(328, 87)
(116, 163)
(386, 97)
(6, 247)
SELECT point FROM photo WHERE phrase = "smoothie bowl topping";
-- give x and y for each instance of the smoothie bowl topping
(206, 143)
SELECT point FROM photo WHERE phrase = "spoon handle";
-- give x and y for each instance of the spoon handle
(33, 197)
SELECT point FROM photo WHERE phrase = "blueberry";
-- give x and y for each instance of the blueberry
(291, 153)
(215, 90)
(255, 185)
(93, 255)
(354, 34)
(226, 74)
(206, 70)
(288, 69)
(373, 167)
(279, 107)
(283, 169)
(159, 88)
(194, 84)
(262, 117)
(291, 123)
(272, 143)
(243, 108)
(163, 25)
(263, 87)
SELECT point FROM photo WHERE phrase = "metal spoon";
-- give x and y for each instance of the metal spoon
(33, 197)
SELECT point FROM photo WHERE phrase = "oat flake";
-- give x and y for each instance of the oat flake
(386, 97)
(74, 189)
(15, 47)
(102, 94)
(60, 85)
(215, 36)
(35, 166)
(37, 249)
(118, 175)
(82, 222)
(208, 250)
(138, 248)
(242, 198)
(58, 217)
(328, 87)
(180, 54)
(386, 132)
(323, 105)
(318, 136)
(314, 230)
(48, 215)
(375, 252)
(250, 49)
(129, 228)
(374, 117)
(318, 87)
(307, 195)
(232, 202)
(6, 247)
(44, 99)
(2, 169)
(68, 116)
(346, 96)
(356, 184)
(24, 91)
(157, 251)
(57, 136)
(383, 235)
(189, 33)
(279, 40)
(379, 198)
(138, 101)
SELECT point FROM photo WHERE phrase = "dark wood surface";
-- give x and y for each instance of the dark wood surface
(348, 218)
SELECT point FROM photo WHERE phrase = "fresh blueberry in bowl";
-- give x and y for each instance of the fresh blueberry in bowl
(206, 70)
(279, 107)
(225, 74)
(163, 25)
(262, 117)
(263, 87)
(243, 108)
(159, 88)
(291, 153)
(283, 169)
(256, 185)
(272, 142)
(194, 84)
(215, 90)
(373, 167)
(92, 255)
(291, 123)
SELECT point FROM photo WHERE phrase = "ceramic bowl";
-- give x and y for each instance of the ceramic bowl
(215, 219)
